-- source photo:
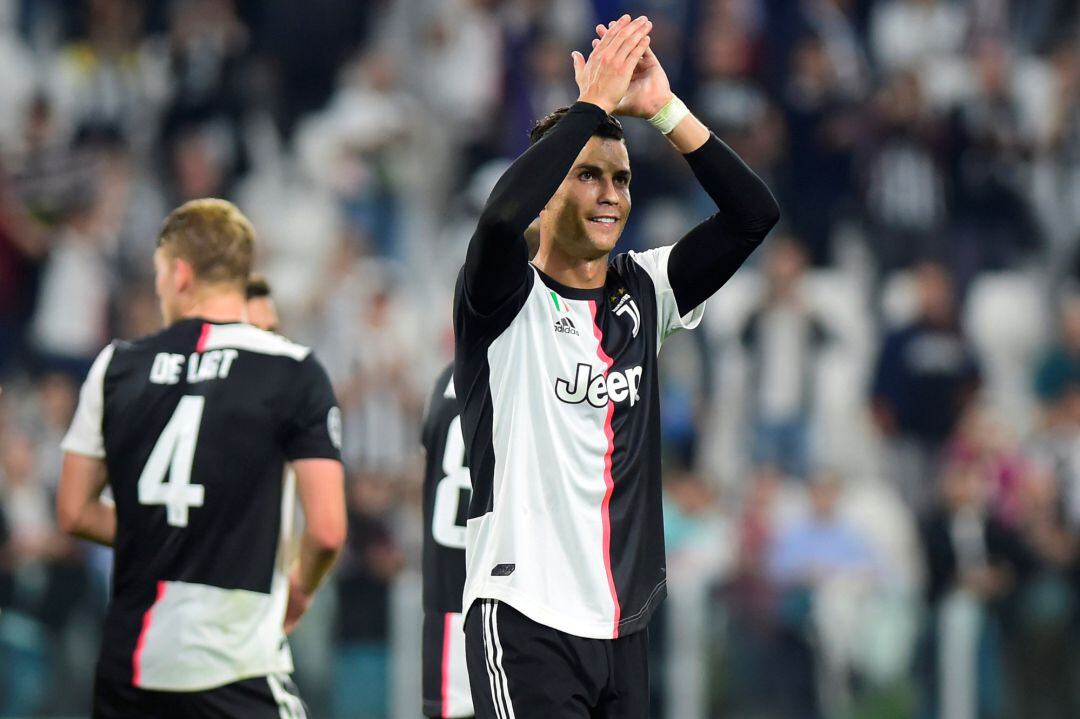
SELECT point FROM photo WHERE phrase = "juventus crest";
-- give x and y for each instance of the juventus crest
(626, 306)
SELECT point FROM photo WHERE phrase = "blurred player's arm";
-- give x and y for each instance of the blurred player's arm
(80, 509)
(313, 448)
(320, 486)
(496, 263)
(709, 254)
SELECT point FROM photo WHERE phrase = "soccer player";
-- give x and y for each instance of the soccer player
(261, 310)
(192, 428)
(446, 500)
(556, 373)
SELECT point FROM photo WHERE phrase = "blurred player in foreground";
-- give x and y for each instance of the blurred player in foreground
(556, 373)
(446, 501)
(192, 428)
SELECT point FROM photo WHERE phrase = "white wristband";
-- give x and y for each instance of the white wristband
(670, 115)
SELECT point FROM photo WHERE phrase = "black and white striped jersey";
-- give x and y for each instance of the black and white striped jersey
(446, 506)
(447, 487)
(561, 419)
(195, 425)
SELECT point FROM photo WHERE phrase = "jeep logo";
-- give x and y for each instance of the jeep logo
(597, 389)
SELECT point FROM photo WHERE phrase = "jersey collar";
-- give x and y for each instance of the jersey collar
(573, 293)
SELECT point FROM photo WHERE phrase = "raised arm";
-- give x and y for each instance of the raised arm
(707, 256)
(710, 253)
(497, 260)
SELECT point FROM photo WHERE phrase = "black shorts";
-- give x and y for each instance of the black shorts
(268, 697)
(521, 669)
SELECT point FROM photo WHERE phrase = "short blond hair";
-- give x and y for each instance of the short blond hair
(212, 235)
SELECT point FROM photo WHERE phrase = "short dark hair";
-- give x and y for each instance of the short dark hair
(257, 286)
(609, 128)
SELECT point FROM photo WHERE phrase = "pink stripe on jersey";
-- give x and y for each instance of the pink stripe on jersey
(203, 337)
(609, 481)
(136, 658)
(447, 642)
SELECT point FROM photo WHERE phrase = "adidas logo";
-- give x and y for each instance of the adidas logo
(565, 325)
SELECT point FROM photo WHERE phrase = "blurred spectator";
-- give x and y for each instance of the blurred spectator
(909, 33)
(782, 337)
(1043, 652)
(926, 375)
(971, 561)
(1056, 443)
(132, 206)
(823, 126)
(1059, 370)
(18, 87)
(460, 64)
(903, 177)
(696, 537)
(690, 523)
(49, 579)
(54, 403)
(1057, 188)
(109, 78)
(732, 100)
(539, 85)
(995, 226)
(306, 44)
(70, 324)
(371, 350)
(1035, 24)
(21, 247)
(207, 47)
(751, 603)
(201, 162)
(356, 147)
(983, 442)
(48, 174)
(823, 565)
(836, 22)
(728, 98)
(363, 577)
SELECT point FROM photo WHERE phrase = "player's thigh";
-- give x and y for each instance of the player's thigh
(520, 669)
(627, 695)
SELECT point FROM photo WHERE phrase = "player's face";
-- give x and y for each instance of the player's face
(588, 212)
(262, 313)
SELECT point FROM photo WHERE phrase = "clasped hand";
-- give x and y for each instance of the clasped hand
(622, 74)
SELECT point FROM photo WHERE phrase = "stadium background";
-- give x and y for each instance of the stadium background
(836, 443)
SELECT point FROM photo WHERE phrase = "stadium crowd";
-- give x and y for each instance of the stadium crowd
(873, 443)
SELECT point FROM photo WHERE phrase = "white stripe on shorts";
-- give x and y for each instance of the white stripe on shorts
(289, 705)
(493, 653)
(489, 657)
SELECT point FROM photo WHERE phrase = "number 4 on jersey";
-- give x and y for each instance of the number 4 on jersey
(172, 456)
